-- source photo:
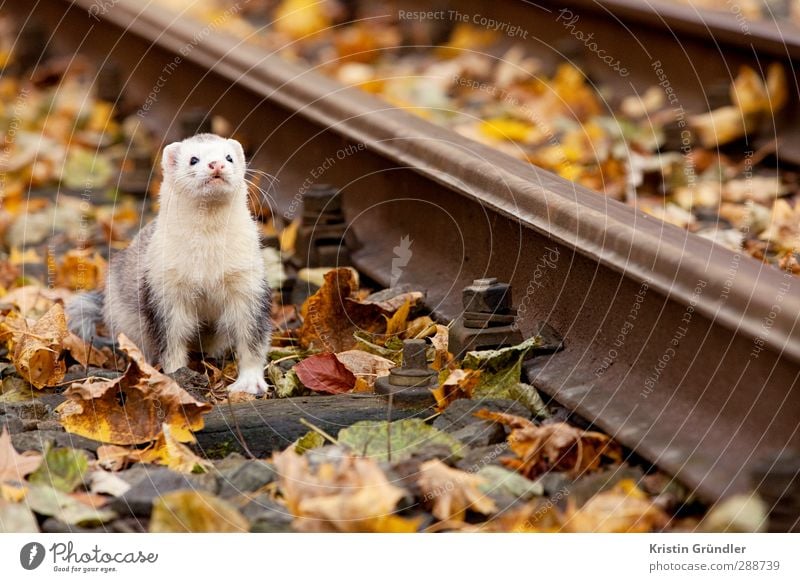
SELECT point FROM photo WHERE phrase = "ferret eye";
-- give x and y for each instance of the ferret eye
(229, 158)
(194, 160)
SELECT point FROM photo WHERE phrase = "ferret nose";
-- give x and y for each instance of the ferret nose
(216, 165)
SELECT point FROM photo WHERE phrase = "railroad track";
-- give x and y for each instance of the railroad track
(682, 350)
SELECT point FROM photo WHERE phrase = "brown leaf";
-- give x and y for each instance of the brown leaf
(185, 511)
(325, 373)
(352, 495)
(450, 492)
(37, 351)
(83, 353)
(332, 315)
(624, 509)
(13, 466)
(557, 446)
(440, 341)
(365, 366)
(169, 452)
(131, 409)
(459, 384)
(396, 324)
(114, 457)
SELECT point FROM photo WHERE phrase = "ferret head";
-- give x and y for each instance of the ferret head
(205, 166)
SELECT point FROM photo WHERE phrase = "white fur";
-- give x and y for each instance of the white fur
(203, 261)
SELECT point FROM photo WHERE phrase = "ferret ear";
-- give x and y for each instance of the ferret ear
(169, 157)
(237, 147)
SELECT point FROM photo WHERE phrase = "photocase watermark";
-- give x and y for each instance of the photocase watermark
(493, 24)
(172, 66)
(101, 8)
(624, 330)
(67, 559)
(570, 21)
(672, 347)
(775, 309)
(402, 255)
(741, 19)
(317, 173)
(547, 262)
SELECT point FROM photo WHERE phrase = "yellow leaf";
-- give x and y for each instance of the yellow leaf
(190, 511)
(624, 509)
(131, 409)
(300, 18)
(30, 256)
(398, 322)
(81, 269)
(508, 129)
(459, 384)
(169, 452)
(37, 352)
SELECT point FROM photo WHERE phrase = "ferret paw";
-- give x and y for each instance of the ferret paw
(249, 381)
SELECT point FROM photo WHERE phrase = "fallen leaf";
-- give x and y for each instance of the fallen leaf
(332, 314)
(458, 384)
(189, 511)
(62, 469)
(13, 466)
(501, 369)
(396, 324)
(81, 269)
(17, 518)
(623, 509)
(371, 439)
(37, 350)
(440, 341)
(51, 502)
(113, 457)
(300, 18)
(325, 373)
(451, 492)
(169, 452)
(500, 480)
(105, 483)
(350, 495)
(743, 513)
(131, 409)
(557, 446)
(82, 352)
(364, 365)
(286, 383)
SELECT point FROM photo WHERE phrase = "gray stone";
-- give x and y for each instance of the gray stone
(193, 382)
(28, 409)
(149, 483)
(480, 434)
(480, 457)
(265, 515)
(78, 373)
(248, 477)
(12, 423)
(35, 440)
(462, 412)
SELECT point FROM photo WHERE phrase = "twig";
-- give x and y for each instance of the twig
(239, 431)
(389, 428)
(319, 431)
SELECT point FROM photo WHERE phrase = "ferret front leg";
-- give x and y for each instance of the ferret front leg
(181, 323)
(247, 321)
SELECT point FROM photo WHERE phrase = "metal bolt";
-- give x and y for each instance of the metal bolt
(487, 296)
(414, 378)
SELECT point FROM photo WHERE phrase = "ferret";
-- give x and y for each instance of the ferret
(194, 275)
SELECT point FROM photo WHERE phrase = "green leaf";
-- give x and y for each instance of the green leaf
(62, 469)
(51, 502)
(310, 440)
(370, 438)
(366, 343)
(500, 480)
(286, 384)
(501, 371)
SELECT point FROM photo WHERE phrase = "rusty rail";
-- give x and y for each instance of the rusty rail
(705, 381)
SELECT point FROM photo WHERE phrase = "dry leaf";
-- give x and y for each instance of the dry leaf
(37, 351)
(325, 373)
(169, 452)
(188, 511)
(459, 384)
(332, 315)
(365, 366)
(13, 466)
(557, 446)
(114, 457)
(450, 492)
(81, 269)
(352, 495)
(131, 409)
(624, 509)
(440, 341)
(396, 324)
(83, 353)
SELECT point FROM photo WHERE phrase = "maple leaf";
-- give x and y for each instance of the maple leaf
(451, 492)
(325, 373)
(557, 446)
(332, 314)
(13, 466)
(131, 409)
(350, 495)
(37, 350)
